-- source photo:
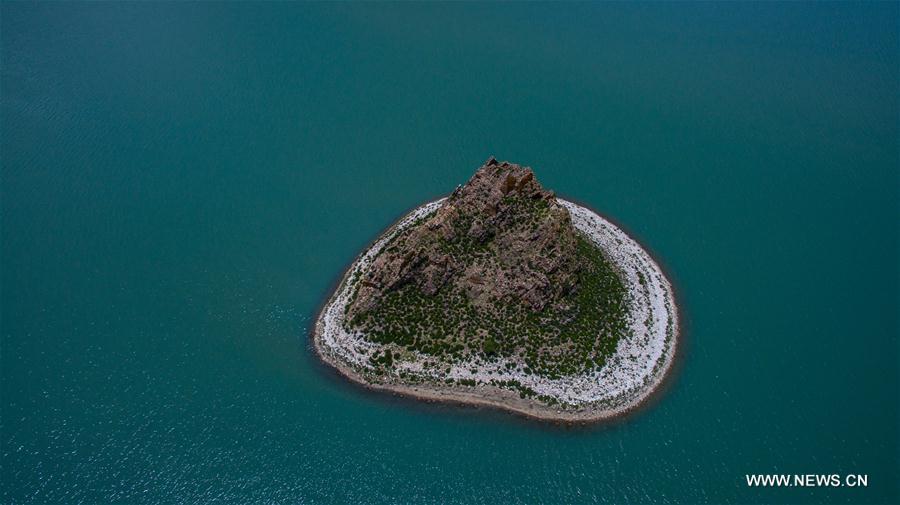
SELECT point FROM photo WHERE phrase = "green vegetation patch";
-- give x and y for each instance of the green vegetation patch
(552, 343)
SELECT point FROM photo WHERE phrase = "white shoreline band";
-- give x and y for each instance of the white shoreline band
(641, 360)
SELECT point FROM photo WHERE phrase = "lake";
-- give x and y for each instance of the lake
(182, 184)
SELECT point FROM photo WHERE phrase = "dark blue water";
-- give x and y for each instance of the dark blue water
(182, 183)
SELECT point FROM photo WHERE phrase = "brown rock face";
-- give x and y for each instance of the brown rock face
(499, 238)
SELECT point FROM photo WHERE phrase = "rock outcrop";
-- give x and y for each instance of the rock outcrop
(500, 238)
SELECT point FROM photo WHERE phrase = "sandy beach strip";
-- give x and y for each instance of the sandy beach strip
(640, 364)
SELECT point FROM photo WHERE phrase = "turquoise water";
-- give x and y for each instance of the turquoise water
(182, 184)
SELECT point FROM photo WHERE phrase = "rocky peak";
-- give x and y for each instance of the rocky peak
(499, 238)
(495, 180)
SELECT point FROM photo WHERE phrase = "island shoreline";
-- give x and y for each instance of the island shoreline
(491, 397)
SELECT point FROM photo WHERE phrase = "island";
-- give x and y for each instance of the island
(503, 295)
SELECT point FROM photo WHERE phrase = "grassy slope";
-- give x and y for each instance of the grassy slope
(551, 343)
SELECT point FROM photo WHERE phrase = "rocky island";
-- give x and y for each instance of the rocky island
(502, 294)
